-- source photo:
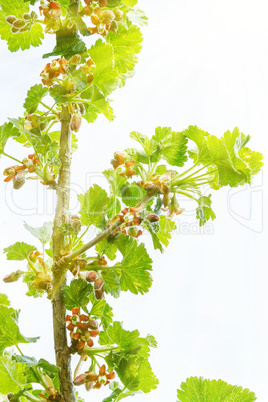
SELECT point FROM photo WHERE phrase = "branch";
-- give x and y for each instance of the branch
(103, 235)
(63, 357)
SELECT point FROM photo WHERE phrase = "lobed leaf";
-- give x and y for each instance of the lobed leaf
(12, 375)
(93, 205)
(77, 294)
(18, 251)
(34, 96)
(43, 233)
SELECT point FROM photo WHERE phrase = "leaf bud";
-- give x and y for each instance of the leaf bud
(91, 276)
(10, 19)
(76, 122)
(80, 380)
(99, 294)
(153, 218)
(13, 277)
(98, 284)
(19, 24)
(119, 15)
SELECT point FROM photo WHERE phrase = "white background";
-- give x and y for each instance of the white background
(204, 63)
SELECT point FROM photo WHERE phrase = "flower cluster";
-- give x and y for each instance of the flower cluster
(103, 21)
(51, 10)
(17, 173)
(95, 381)
(23, 24)
(53, 71)
(82, 328)
(130, 218)
(122, 165)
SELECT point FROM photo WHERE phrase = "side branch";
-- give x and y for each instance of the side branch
(103, 235)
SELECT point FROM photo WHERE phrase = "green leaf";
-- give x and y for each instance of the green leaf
(105, 75)
(43, 233)
(4, 300)
(34, 97)
(7, 131)
(107, 317)
(136, 374)
(20, 40)
(133, 272)
(252, 159)
(132, 195)
(9, 330)
(201, 154)
(116, 182)
(126, 44)
(197, 389)
(130, 3)
(93, 205)
(12, 375)
(111, 282)
(68, 44)
(137, 16)
(148, 144)
(58, 93)
(107, 247)
(18, 251)
(77, 294)
(166, 226)
(116, 335)
(171, 145)
(204, 211)
(98, 306)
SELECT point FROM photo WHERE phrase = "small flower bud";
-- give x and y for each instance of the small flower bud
(13, 277)
(89, 385)
(153, 218)
(76, 122)
(79, 380)
(98, 284)
(26, 16)
(120, 157)
(113, 26)
(119, 15)
(15, 30)
(99, 294)
(19, 24)
(95, 19)
(91, 276)
(10, 19)
(76, 59)
(93, 324)
(108, 14)
(82, 108)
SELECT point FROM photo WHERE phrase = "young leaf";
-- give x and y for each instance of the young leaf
(126, 44)
(4, 300)
(68, 44)
(171, 145)
(137, 16)
(12, 375)
(204, 211)
(9, 330)
(132, 195)
(77, 294)
(111, 282)
(106, 247)
(18, 251)
(116, 182)
(34, 97)
(149, 145)
(7, 131)
(43, 233)
(166, 226)
(134, 275)
(136, 374)
(93, 204)
(252, 159)
(197, 389)
(101, 309)
(105, 75)
(115, 334)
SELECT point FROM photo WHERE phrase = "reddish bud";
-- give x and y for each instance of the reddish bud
(90, 343)
(91, 276)
(129, 163)
(124, 211)
(81, 344)
(102, 370)
(79, 380)
(130, 172)
(153, 218)
(91, 377)
(18, 180)
(76, 122)
(13, 277)
(120, 157)
(98, 284)
(93, 324)
(99, 294)
(134, 210)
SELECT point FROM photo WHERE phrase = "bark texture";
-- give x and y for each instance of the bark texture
(63, 357)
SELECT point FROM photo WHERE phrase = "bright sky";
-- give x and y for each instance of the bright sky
(204, 63)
